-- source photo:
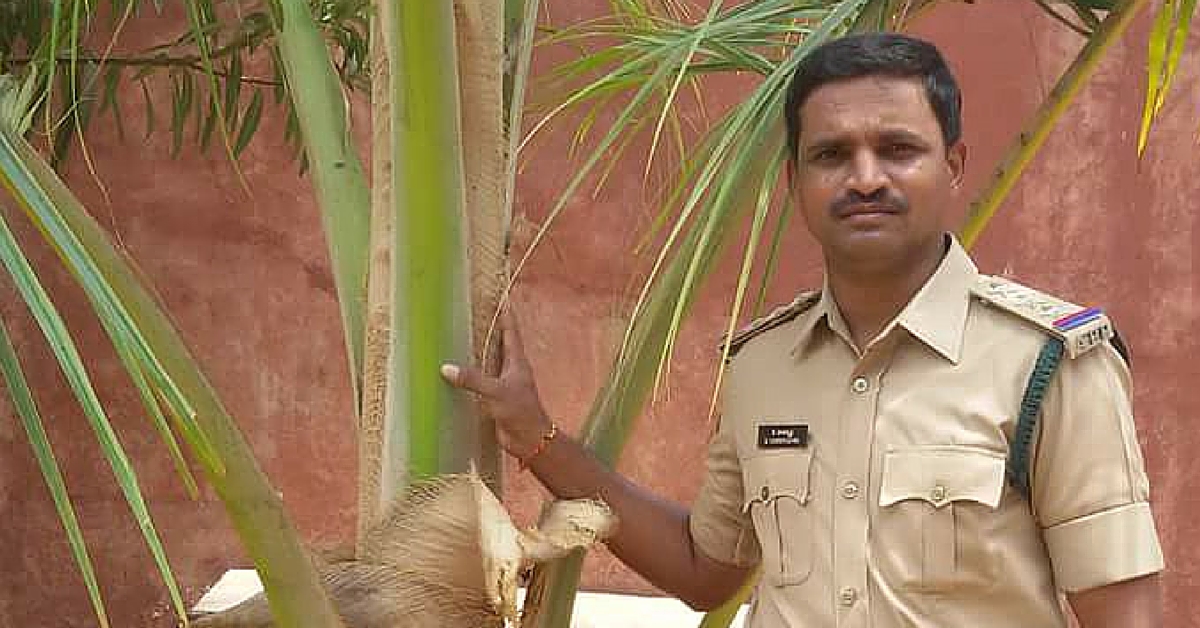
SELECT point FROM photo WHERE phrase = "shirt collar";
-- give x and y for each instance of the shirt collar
(936, 315)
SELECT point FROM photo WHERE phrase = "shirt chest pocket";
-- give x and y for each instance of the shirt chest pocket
(936, 516)
(777, 496)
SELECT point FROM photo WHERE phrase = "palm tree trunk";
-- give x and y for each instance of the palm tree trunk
(433, 429)
(372, 494)
(478, 41)
(479, 27)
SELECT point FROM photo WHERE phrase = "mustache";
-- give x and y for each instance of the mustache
(883, 198)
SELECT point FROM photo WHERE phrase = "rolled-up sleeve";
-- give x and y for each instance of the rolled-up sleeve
(719, 525)
(1090, 490)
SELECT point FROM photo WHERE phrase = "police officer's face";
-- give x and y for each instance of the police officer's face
(873, 177)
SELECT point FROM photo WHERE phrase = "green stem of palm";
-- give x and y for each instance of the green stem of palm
(433, 428)
(341, 187)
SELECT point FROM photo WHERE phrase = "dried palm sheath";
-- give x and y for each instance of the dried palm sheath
(447, 556)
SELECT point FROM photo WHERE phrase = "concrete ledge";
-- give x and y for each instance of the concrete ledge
(592, 610)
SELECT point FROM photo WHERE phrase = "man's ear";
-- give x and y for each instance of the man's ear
(956, 162)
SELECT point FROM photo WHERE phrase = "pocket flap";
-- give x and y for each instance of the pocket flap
(769, 477)
(942, 475)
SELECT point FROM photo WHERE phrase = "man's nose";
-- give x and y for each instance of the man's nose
(867, 174)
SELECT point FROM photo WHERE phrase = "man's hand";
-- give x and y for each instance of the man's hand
(511, 400)
(653, 536)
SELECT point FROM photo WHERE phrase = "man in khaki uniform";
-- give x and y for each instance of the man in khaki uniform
(883, 455)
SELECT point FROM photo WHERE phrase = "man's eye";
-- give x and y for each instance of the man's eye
(901, 149)
(825, 155)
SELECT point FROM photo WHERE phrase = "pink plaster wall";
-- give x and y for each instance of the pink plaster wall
(247, 280)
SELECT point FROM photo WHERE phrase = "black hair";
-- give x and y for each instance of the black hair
(876, 54)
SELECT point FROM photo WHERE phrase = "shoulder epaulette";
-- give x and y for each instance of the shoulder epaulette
(1079, 328)
(777, 317)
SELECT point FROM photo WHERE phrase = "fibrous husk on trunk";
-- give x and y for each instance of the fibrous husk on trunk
(446, 555)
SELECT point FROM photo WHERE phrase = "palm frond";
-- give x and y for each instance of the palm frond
(734, 169)
(18, 390)
(648, 62)
(520, 17)
(1031, 139)
(16, 100)
(145, 340)
(207, 61)
(1168, 38)
(323, 117)
(18, 178)
(1084, 21)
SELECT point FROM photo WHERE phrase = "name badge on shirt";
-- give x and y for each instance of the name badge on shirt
(793, 436)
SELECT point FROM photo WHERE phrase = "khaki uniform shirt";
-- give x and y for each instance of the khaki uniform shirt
(896, 512)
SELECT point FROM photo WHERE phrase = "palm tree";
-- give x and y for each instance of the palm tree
(386, 240)
(316, 50)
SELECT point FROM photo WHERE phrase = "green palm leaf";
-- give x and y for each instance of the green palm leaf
(68, 356)
(22, 398)
(338, 177)
(1167, 41)
(1031, 139)
(131, 317)
(207, 60)
(745, 142)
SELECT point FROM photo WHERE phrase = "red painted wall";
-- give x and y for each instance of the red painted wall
(247, 280)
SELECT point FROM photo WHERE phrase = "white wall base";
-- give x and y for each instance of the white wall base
(592, 610)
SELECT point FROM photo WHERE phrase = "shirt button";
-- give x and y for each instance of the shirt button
(938, 494)
(850, 490)
(860, 385)
(847, 596)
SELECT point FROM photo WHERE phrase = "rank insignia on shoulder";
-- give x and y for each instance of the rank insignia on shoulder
(1080, 328)
(777, 317)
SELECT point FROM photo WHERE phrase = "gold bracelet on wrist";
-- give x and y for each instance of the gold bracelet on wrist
(523, 463)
